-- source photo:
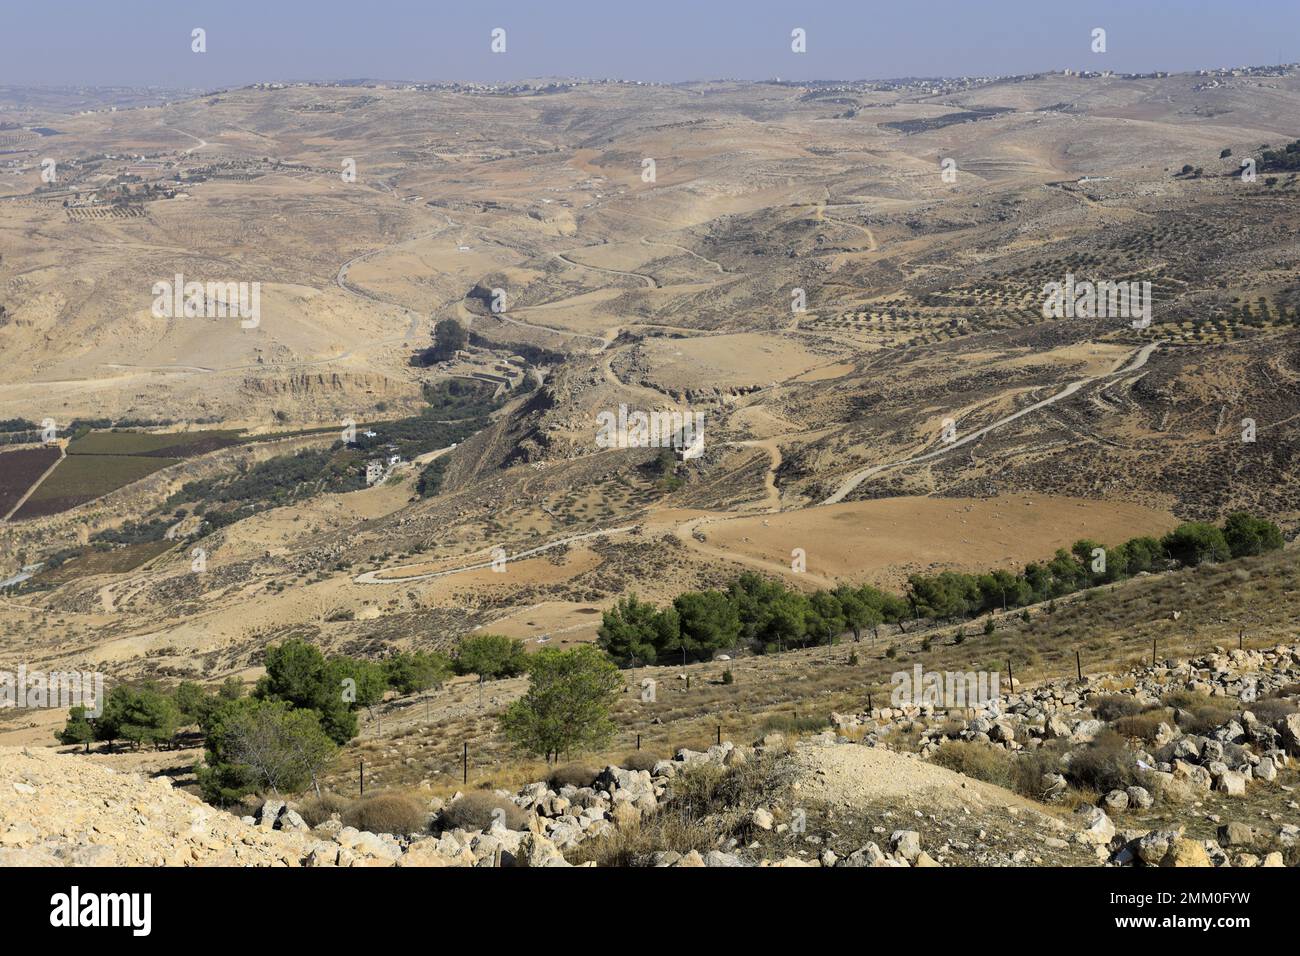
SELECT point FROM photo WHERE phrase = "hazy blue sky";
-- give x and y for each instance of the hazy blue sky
(147, 42)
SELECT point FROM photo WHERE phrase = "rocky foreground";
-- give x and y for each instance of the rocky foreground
(865, 787)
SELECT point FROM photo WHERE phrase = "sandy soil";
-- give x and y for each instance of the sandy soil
(882, 540)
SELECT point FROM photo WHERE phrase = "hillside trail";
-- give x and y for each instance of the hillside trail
(1139, 359)
(646, 240)
(369, 577)
(650, 281)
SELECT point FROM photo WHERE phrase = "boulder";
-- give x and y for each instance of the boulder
(906, 843)
(1185, 853)
(536, 850)
(1139, 798)
(1288, 728)
(1153, 847)
(869, 855)
(370, 844)
(1054, 787)
(269, 813)
(1237, 834)
(718, 858)
(1085, 730)
(424, 853)
(1231, 783)
(1097, 827)
(1197, 777)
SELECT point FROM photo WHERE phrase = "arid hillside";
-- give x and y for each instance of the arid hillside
(846, 284)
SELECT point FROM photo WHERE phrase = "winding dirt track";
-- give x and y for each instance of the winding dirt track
(650, 281)
(858, 477)
(369, 577)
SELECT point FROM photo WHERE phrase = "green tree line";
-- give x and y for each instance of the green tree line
(766, 616)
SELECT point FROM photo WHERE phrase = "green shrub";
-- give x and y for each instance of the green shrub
(1245, 535)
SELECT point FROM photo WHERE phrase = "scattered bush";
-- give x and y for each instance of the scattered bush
(1199, 713)
(1183, 698)
(707, 804)
(640, 760)
(477, 810)
(572, 775)
(1106, 764)
(1027, 770)
(1115, 706)
(316, 810)
(1143, 726)
(981, 761)
(396, 813)
(633, 846)
(1271, 710)
(791, 724)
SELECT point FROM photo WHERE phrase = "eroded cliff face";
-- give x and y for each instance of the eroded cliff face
(328, 384)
